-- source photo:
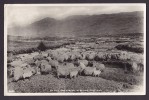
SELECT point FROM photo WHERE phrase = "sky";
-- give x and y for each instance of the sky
(24, 14)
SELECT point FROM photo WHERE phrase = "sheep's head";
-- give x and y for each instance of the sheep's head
(56, 67)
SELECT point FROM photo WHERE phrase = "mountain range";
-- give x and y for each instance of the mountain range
(123, 23)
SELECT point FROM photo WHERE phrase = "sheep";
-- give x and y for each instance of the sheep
(134, 66)
(69, 65)
(90, 56)
(114, 56)
(54, 63)
(36, 70)
(10, 59)
(37, 63)
(44, 62)
(16, 63)
(100, 56)
(85, 62)
(123, 53)
(18, 73)
(72, 57)
(83, 55)
(26, 57)
(108, 56)
(140, 67)
(99, 66)
(39, 57)
(68, 54)
(74, 74)
(10, 72)
(54, 54)
(29, 61)
(136, 57)
(82, 65)
(45, 54)
(65, 56)
(61, 58)
(27, 73)
(78, 55)
(67, 69)
(49, 58)
(22, 71)
(45, 69)
(62, 71)
(96, 73)
(123, 56)
(89, 70)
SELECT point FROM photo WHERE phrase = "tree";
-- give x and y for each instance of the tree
(41, 46)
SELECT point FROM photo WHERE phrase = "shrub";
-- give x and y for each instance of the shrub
(130, 47)
(41, 46)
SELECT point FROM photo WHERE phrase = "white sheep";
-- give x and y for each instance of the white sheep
(18, 73)
(101, 56)
(10, 59)
(72, 57)
(82, 65)
(27, 72)
(83, 54)
(96, 73)
(54, 63)
(78, 55)
(10, 72)
(90, 56)
(38, 70)
(37, 63)
(23, 71)
(123, 55)
(89, 70)
(16, 63)
(99, 66)
(45, 69)
(62, 71)
(134, 66)
(39, 57)
(69, 65)
(61, 58)
(54, 54)
(45, 54)
(66, 57)
(73, 74)
(49, 58)
(140, 67)
(29, 61)
(44, 62)
(85, 62)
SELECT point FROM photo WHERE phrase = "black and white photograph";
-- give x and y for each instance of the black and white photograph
(75, 49)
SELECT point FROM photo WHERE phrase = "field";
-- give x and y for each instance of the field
(116, 77)
(110, 81)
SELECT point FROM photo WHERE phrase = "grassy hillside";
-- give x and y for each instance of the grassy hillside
(82, 25)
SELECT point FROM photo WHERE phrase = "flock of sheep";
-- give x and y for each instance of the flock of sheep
(64, 62)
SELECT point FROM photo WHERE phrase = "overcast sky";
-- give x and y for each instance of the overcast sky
(27, 14)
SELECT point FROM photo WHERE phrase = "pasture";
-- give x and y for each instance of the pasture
(112, 80)
(123, 69)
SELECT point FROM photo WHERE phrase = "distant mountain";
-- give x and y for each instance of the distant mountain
(84, 25)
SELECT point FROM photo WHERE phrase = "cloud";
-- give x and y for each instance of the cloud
(27, 14)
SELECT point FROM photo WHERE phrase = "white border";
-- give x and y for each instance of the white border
(70, 94)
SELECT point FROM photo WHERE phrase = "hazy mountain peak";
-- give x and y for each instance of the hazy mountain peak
(104, 24)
